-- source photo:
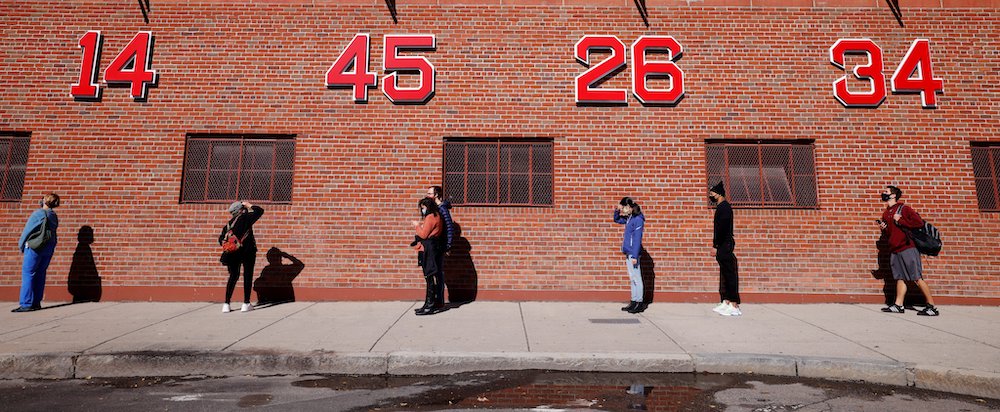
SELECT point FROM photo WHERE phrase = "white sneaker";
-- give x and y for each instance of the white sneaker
(720, 307)
(735, 312)
(226, 308)
(246, 307)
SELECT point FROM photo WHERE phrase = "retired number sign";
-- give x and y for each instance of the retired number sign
(133, 67)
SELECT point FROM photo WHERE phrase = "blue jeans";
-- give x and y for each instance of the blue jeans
(635, 279)
(36, 264)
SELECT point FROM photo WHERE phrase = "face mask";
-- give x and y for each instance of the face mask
(423, 212)
(712, 199)
(885, 197)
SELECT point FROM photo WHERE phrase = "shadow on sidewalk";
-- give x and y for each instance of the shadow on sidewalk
(460, 275)
(84, 282)
(274, 286)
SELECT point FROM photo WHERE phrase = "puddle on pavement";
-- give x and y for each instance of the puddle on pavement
(555, 390)
(142, 382)
(255, 400)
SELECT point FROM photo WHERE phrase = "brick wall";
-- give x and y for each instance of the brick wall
(755, 70)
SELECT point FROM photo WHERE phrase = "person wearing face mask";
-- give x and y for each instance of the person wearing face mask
(723, 247)
(898, 218)
(430, 254)
(628, 213)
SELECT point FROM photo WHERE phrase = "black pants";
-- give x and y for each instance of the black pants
(729, 278)
(246, 258)
(432, 265)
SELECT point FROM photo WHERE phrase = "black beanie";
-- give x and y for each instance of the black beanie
(718, 188)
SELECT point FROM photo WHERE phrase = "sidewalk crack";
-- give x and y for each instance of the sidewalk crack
(144, 327)
(655, 325)
(524, 327)
(832, 333)
(390, 328)
(265, 327)
(98, 307)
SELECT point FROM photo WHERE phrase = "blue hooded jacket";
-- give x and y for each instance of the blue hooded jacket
(632, 239)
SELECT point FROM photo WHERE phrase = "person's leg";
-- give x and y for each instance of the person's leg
(635, 280)
(926, 290)
(27, 278)
(249, 260)
(38, 281)
(439, 276)
(900, 292)
(730, 272)
(234, 276)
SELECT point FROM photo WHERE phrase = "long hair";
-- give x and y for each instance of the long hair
(432, 207)
(627, 201)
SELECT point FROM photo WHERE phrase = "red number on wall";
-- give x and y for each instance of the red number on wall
(918, 59)
(642, 70)
(585, 93)
(354, 58)
(394, 64)
(137, 54)
(88, 88)
(871, 72)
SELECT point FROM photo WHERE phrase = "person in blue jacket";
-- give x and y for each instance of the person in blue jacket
(36, 261)
(628, 213)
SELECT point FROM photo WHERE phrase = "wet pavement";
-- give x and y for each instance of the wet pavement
(526, 390)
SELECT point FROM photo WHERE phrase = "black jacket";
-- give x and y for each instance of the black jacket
(723, 233)
(243, 224)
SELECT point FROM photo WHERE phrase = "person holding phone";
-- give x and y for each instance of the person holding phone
(627, 212)
(244, 215)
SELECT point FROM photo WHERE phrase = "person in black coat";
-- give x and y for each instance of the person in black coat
(244, 215)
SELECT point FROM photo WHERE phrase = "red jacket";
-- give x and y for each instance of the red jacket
(430, 227)
(898, 239)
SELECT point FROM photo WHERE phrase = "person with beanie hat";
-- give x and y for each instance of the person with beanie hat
(240, 226)
(723, 246)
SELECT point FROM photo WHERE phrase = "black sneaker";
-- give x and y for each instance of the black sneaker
(893, 309)
(929, 311)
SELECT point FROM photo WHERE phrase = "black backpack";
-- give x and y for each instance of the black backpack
(927, 239)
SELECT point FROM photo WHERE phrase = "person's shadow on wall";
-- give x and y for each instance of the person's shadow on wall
(647, 266)
(460, 276)
(884, 273)
(274, 286)
(84, 281)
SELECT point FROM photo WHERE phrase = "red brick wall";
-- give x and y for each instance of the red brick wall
(502, 70)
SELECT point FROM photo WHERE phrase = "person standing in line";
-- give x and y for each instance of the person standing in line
(430, 254)
(444, 209)
(723, 247)
(244, 215)
(898, 218)
(628, 213)
(36, 260)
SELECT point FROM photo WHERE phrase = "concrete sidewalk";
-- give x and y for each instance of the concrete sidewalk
(957, 352)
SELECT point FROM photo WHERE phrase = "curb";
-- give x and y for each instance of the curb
(262, 363)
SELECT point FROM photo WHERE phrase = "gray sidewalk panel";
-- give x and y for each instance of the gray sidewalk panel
(559, 327)
(328, 326)
(493, 326)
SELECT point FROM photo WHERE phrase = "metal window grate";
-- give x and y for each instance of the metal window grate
(986, 168)
(498, 172)
(764, 174)
(14, 157)
(226, 168)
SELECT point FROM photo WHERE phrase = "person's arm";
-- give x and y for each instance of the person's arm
(723, 223)
(253, 213)
(34, 220)
(618, 218)
(910, 219)
(424, 230)
(449, 226)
